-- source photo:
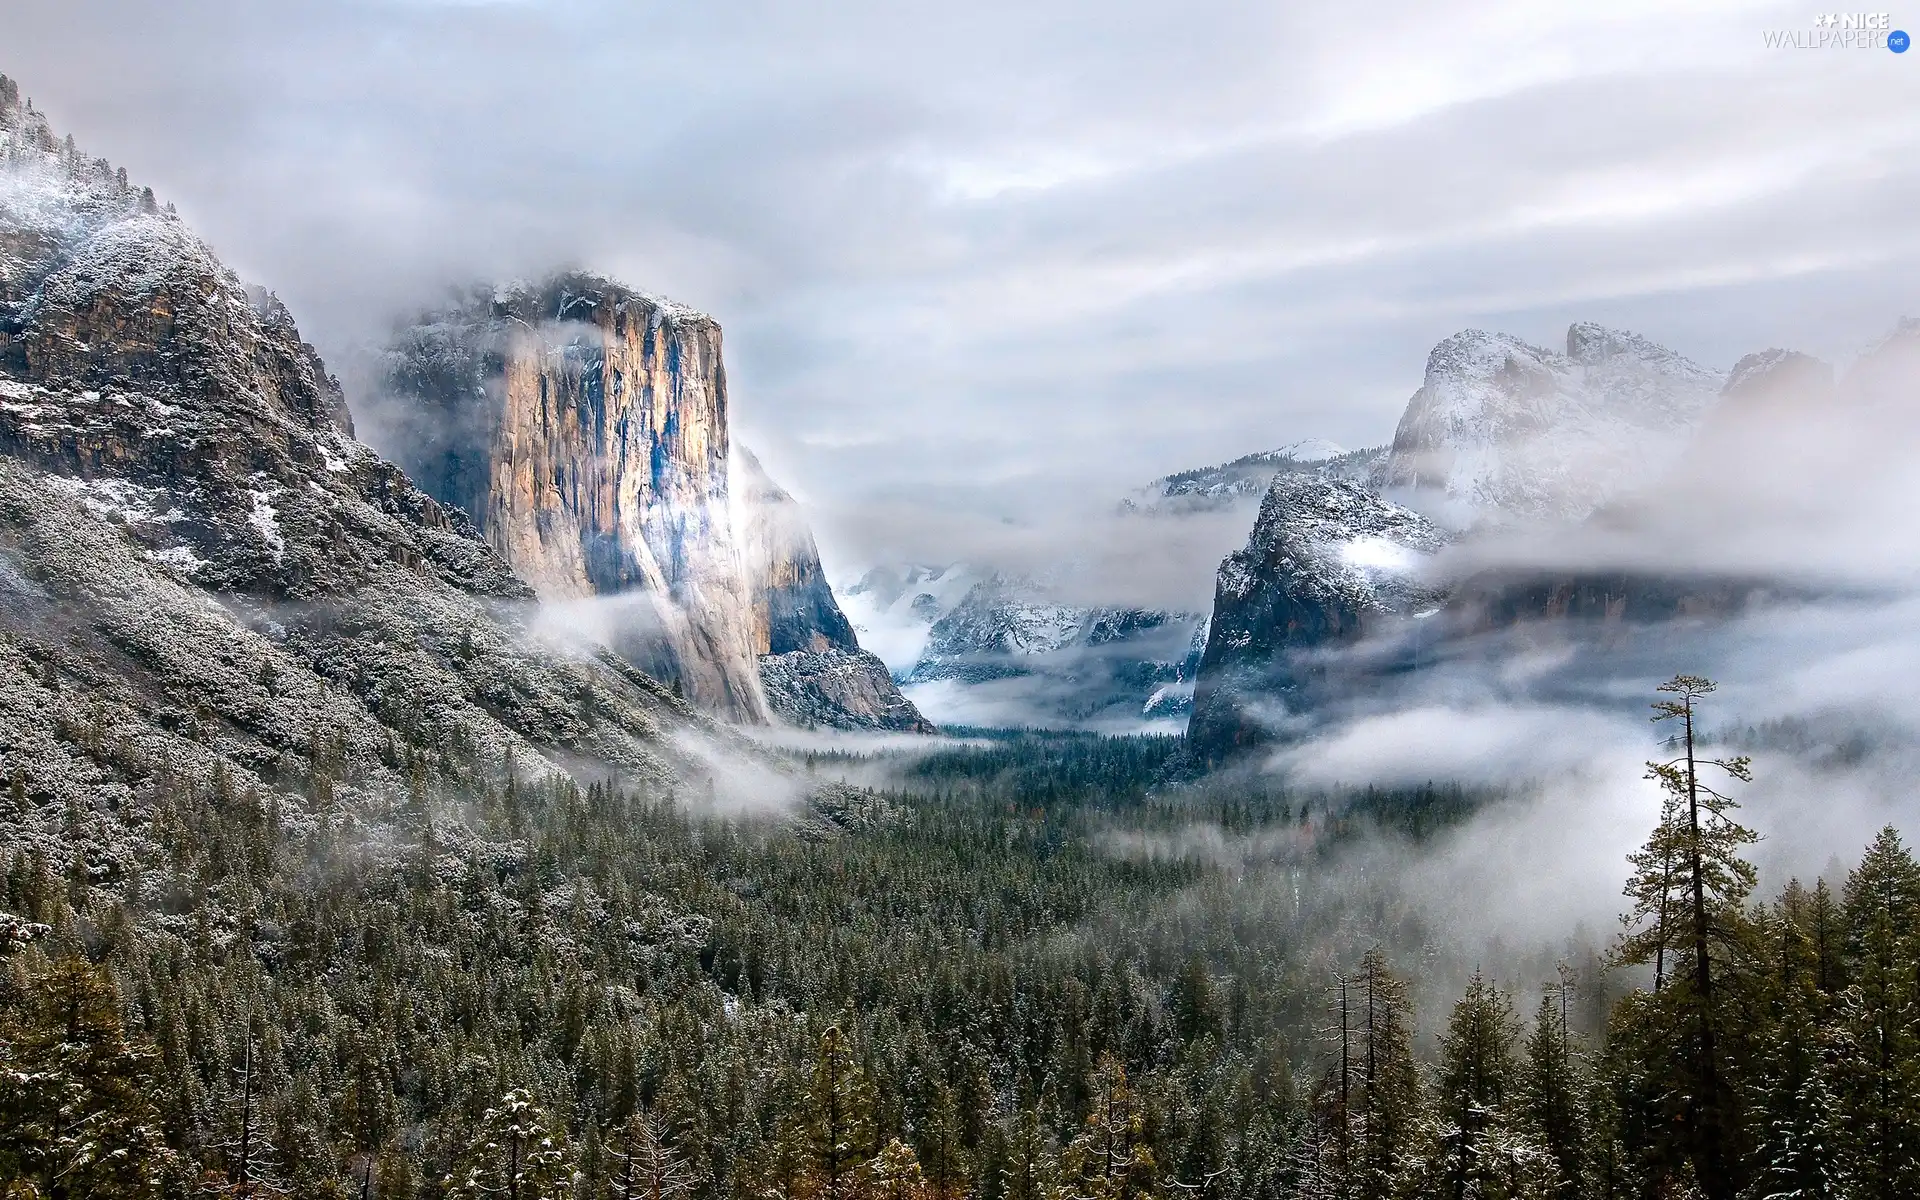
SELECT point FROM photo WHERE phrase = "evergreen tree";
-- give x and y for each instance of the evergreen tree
(1385, 1109)
(644, 1167)
(1879, 1081)
(76, 1116)
(1479, 1148)
(514, 1154)
(1552, 1096)
(1110, 1159)
(1793, 1110)
(842, 1128)
(1688, 888)
(895, 1174)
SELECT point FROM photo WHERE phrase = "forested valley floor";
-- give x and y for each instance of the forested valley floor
(1029, 967)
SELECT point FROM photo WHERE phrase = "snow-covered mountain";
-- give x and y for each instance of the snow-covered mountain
(1327, 561)
(1501, 429)
(1501, 435)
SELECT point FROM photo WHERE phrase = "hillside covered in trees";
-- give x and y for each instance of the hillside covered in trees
(976, 983)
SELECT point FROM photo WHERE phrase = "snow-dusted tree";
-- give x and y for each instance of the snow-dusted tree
(1879, 1078)
(841, 1099)
(514, 1154)
(1688, 889)
(251, 1160)
(1385, 1107)
(1552, 1096)
(76, 1120)
(644, 1166)
(895, 1174)
(1478, 1146)
(1026, 1170)
(1792, 1111)
(1110, 1158)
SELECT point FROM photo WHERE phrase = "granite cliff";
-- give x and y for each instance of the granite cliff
(583, 427)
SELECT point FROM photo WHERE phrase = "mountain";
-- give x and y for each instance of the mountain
(1502, 430)
(812, 668)
(1327, 563)
(209, 587)
(1501, 436)
(583, 427)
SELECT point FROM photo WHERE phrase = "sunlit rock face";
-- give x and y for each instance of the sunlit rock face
(812, 668)
(583, 426)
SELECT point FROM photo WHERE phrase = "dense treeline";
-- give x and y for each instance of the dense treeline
(538, 991)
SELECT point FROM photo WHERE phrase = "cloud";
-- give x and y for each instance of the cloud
(963, 248)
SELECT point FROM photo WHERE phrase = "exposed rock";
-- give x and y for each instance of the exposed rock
(811, 666)
(1246, 479)
(793, 605)
(583, 426)
(837, 688)
(1327, 563)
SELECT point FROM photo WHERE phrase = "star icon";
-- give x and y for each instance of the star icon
(1823, 19)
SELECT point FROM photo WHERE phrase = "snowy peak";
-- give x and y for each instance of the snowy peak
(1503, 429)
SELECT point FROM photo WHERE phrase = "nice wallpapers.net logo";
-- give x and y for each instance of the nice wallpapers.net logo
(1842, 31)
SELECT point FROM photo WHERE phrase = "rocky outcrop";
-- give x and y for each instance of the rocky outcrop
(583, 427)
(839, 689)
(1328, 562)
(812, 668)
(207, 583)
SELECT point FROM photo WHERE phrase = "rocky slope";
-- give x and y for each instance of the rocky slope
(812, 668)
(206, 582)
(583, 426)
(1502, 430)
(1328, 563)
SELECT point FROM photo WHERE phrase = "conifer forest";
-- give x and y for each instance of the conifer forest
(956, 985)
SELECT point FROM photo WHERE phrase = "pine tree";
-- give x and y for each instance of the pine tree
(1385, 1111)
(1478, 1148)
(1552, 1094)
(895, 1174)
(513, 1154)
(842, 1117)
(1688, 888)
(1110, 1159)
(1027, 1173)
(1793, 1108)
(644, 1166)
(76, 1118)
(1880, 1022)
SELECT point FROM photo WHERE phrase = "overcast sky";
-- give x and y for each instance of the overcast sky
(972, 255)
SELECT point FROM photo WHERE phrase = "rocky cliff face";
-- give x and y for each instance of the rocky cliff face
(812, 668)
(205, 580)
(583, 426)
(1328, 562)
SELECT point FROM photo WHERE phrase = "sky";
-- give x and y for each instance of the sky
(977, 261)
